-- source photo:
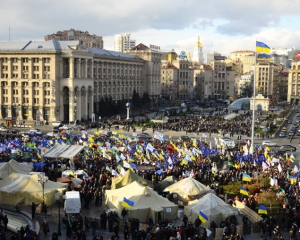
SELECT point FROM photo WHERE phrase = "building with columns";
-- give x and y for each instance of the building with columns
(64, 80)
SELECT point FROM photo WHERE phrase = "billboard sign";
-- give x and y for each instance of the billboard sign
(182, 55)
(219, 57)
(154, 47)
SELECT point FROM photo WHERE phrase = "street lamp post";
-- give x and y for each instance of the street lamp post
(128, 108)
(43, 180)
(58, 198)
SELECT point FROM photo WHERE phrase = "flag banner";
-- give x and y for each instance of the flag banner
(203, 217)
(262, 209)
(127, 203)
(244, 191)
(263, 51)
(246, 178)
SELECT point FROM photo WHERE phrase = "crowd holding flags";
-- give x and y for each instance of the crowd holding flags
(244, 191)
(262, 209)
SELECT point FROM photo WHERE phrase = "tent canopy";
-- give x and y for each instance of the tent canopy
(168, 181)
(13, 167)
(63, 151)
(146, 203)
(25, 189)
(128, 178)
(212, 206)
(188, 189)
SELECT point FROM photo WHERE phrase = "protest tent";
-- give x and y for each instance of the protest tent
(64, 151)
(13, 167)
(25, 189)
(128, 178)
(186, 190)
(146, 203)
(168, 181)
(212, 206)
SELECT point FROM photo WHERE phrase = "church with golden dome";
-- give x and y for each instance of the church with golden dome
(198, 54)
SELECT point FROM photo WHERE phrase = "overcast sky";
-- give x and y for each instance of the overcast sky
(223, 25)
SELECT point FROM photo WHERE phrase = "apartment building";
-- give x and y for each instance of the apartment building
(123, 42)
(64, 80)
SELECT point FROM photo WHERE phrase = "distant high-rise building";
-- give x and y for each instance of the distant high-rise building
(197, 54)
(210, 57)
(91, 41)
(123, 42)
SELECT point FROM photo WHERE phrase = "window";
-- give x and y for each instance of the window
(47, 100)
(46, 60)
(36, 76)
(36, 92)
(15, 91)
(4, 75)
(25, 76)
(24, 84)
(35, 60)
(25, 100)
(4, 91)
(35, 84)
(14, 84)
(46, 84)
(24, 60)
(5, 99)
(25, 92)
(5, 68)
(46, 68)
(36, 100)
(15, 100)
(36, 68)
(46, 76)
(4, 60)
(14, 60)
(25, 68)
(46, 92)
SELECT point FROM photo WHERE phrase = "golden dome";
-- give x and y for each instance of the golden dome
(198, 43)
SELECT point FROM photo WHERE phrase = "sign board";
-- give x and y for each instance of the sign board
(297, 55)
(154, 47)
(183, 55)
(219, 57)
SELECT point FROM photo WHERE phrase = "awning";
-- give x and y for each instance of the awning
(63, 151)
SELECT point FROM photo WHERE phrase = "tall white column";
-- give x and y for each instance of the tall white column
(71, 62)
(61, 68)
(86, 68)
(79, 68)
(84, 105)
(61, 106)
(91, 103)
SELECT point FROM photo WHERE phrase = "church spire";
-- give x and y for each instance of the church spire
(197, 54)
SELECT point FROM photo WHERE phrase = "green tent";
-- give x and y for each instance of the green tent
(129, 177)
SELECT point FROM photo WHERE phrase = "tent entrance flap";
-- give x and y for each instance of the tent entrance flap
(64, 151)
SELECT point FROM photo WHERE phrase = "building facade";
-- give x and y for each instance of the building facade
(152, 67)
(293, 95)
(203, 76)
(123, 42)
(92, 41)
(237, 55)
(210, 57)
(63, 80)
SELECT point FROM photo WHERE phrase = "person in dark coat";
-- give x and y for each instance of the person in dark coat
(33, 208)
(5, 222)
(54, 235)
(45, 227)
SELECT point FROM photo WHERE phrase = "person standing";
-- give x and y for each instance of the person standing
(5, 222)
(45, 227)
(33, 208)
(54, 235)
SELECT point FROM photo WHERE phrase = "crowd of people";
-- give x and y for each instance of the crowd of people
(106, 157)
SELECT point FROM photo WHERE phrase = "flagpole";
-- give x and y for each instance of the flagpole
(253, 103)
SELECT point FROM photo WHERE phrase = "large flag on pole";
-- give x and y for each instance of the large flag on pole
(263, 51)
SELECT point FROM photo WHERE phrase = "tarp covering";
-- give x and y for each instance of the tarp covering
(212, 206)
(13, 167)
(128, 178)
(168, 181)
(25, 189)
(253, 216)
(188, 189)
(146, 203)
(63, 151)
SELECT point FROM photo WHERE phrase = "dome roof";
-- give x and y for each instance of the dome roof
(240, 104)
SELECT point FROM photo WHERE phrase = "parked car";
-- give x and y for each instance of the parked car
(269, 143)
(282, 134)
(288, 147)
(35, 131)
(289, 121)
(52, 134)
(283, 129)
(184, 139)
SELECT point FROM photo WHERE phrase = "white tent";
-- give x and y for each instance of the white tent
(212, 206)
(187, 190)
(13, 167)
(64, 151)
(25, 189)
(146, 203)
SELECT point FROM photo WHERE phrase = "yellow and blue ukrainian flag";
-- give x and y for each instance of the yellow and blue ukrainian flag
(263, 51)
(292, 158)
(127, 203)
(293, 179)
(203, 217)
(246, 177)
(262, 209)
(244, 191)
